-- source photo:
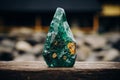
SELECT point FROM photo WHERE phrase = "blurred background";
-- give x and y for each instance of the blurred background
(24, 25)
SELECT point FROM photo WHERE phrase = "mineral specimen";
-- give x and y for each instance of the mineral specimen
(60, 46)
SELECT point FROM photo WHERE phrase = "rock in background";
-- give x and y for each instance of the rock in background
(26, 45)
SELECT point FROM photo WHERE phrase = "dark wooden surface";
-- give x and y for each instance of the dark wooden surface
(39, 71)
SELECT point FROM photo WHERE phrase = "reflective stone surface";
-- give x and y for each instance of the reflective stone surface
(60, 47)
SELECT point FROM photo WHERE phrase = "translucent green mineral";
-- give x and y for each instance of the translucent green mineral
(60, 47)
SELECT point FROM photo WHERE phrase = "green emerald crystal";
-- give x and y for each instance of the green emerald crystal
(60, 47)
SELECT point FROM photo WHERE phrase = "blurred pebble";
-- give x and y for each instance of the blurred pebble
(111, 55)
(112, 37)
(83, 52)
(92, 57)
(37, 48)
(25, 57)
(22, 30)
(8, 43)
(95, 41)
(23, 46)
(40, 58)
(79, 42)
(39, 37)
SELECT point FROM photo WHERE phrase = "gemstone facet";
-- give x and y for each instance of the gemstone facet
(60, 46)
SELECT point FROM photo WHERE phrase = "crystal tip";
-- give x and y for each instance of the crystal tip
(60, 9)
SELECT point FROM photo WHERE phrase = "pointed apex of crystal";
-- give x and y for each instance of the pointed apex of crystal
(60, 46)
(60, 9)
(59, 14)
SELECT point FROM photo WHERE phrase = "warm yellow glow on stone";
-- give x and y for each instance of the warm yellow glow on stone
(71, 47)
(64, 57)
(54, 55)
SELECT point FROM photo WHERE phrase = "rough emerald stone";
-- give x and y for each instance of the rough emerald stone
(60, 47)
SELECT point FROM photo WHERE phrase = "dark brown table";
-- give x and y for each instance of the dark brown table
(37, 70)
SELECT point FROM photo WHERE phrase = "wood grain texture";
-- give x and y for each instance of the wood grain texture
(36, 70)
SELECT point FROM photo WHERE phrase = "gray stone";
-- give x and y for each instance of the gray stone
(22, 45)
(96, 41)
(26, 57)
